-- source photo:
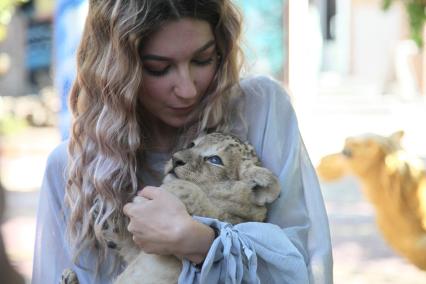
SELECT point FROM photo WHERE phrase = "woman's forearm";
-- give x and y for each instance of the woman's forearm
(195, 241)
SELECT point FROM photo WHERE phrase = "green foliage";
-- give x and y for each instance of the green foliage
(386, 4)
(416, 10)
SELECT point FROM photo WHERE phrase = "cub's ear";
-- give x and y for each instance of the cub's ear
(264, 183)
(397, 136)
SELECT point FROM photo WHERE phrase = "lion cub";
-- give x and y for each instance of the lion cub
(394, 183)
(217, 176)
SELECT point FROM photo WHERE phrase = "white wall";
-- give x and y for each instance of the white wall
(375, 35)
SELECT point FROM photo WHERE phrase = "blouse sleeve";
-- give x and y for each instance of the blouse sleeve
(52, 252)
(294, 245)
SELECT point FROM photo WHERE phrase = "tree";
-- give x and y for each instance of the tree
(416, 10)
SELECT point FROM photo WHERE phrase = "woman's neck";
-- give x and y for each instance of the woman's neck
(162, 137)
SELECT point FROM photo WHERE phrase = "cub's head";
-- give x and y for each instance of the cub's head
(217, 157)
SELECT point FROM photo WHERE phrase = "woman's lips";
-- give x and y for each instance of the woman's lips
(182, 109)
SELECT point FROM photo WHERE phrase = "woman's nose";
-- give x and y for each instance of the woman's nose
(185, 85)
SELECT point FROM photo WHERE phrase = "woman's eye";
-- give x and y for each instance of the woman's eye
(203, 62)
(157, 72)
(216, 160)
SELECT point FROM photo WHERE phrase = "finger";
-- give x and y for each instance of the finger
(138, 241)
(149, 192)
(128, 209)
(139, 199)
(131, 228)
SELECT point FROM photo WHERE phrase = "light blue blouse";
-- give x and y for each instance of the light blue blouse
(292, 247)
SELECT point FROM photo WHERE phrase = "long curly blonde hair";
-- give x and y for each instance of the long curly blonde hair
(108, 134)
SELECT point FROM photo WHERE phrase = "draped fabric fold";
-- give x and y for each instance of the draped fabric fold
(246, 253)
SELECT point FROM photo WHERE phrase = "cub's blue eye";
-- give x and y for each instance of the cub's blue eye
(216, 160)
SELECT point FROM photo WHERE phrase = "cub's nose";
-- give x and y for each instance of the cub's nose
(177, 162)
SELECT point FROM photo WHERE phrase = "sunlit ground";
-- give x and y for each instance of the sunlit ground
(360, 254)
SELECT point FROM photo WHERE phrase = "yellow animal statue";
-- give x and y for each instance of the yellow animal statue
(394, 182)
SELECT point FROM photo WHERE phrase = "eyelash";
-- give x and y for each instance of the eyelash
(197, 62)
(158, 73)
(203, 62)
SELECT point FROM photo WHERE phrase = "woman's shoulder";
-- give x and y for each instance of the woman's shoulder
(269, 114)
(264, 94)
(264, 90)
(55, 173)
(58, 158)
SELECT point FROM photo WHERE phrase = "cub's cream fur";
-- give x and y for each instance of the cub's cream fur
(218, 176)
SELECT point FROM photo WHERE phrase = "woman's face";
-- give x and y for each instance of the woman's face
(179, 62)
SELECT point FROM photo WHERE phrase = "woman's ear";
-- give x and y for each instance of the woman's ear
(264, 184)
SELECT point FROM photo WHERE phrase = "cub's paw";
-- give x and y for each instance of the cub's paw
(69, 277)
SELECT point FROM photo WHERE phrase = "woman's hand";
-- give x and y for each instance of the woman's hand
(156, 220)
(160, 224)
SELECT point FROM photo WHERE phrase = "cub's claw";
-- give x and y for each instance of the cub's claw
(69, 277)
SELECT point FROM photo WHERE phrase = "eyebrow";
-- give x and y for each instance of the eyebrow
(164, 58)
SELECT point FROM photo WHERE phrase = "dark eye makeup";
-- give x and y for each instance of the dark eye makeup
(163, 71)
(202, 59)
(203, 62)
(157, 72)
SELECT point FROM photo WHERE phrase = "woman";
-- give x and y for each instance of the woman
(152, 75)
